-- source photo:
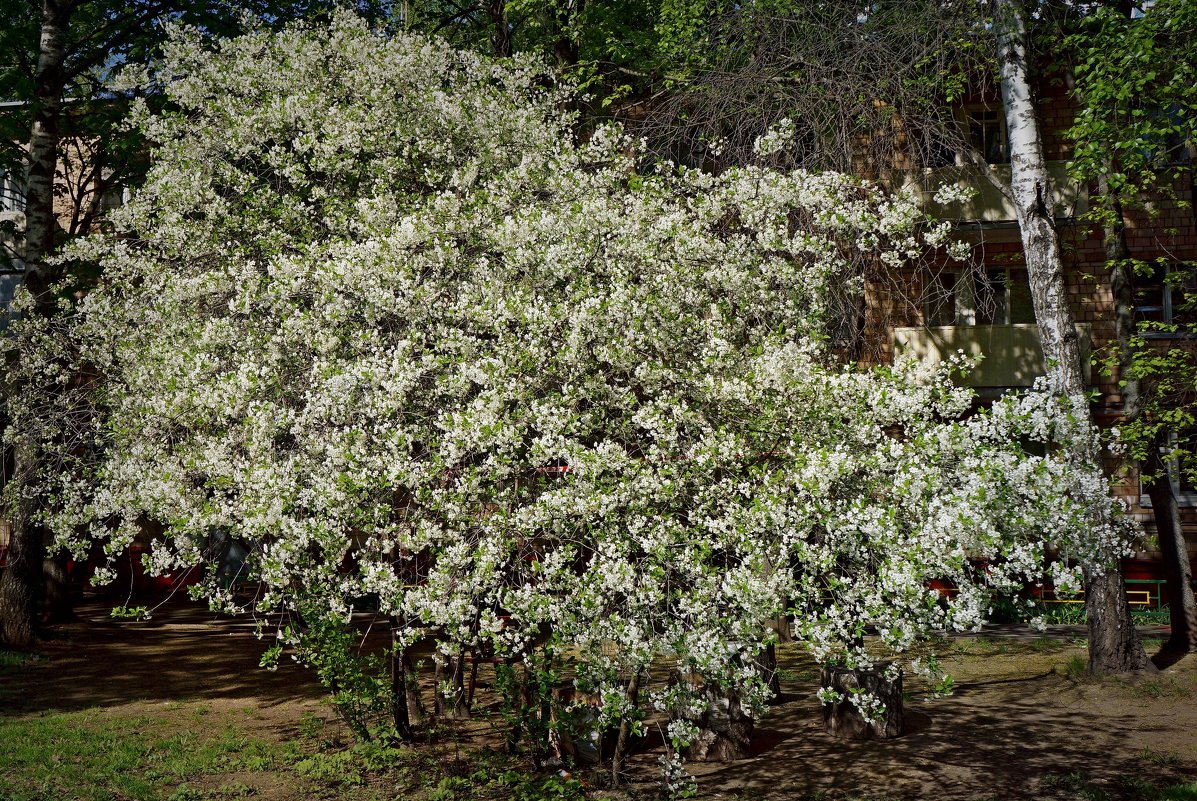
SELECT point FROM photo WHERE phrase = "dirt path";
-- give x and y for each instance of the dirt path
(183, 655)
(1017, 726)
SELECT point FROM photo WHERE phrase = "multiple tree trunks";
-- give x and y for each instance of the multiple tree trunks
(450, 686)
(1114, 646)
(624, 739)
(844, 719)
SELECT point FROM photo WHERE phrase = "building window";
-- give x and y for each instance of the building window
(981, 128)
(986, 129)
(12, 195)
(984, 296)
(940, 299)
(10, 282)
(1162, 294)
(1183, 488)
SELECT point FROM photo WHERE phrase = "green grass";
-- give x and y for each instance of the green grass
(90, 756)
(1077, 667)
(1078, 786)
(13, 660)
(184, 754)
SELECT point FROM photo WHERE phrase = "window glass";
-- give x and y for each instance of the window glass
(11, 197)
(1151, 296)
(990, 297)
(941, 299)
(987, 134)
(1165, 293)
(1022, 308)
(9, 283)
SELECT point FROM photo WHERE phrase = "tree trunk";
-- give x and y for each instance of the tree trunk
(622, 742)
(450, 671)
(724, 731)
(21, 583)
(57, 604)
(1114, 645)
(401, 712)
(565, 47)
(1182, 606)
(766, 667)
(500, 37)
(843, 718)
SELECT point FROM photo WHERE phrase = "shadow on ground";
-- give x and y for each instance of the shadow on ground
(1021, 729)
(183, 653)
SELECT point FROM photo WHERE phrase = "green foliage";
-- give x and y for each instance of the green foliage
(352, 766)
(1076, 784)
(1160, 758)
(361, 690)
(528, 707)
(130, 613)
(1135, 79)
(529, 787)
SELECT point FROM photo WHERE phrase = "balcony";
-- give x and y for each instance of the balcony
(988, 203)
(1013, 356)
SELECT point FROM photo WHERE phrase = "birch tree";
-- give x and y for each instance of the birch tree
(1114, 646)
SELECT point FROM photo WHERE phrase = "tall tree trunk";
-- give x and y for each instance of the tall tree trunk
(1114, 646)
(20, 584)
(500, 37)
(20, 580)
(565, 46)
(1182, 607)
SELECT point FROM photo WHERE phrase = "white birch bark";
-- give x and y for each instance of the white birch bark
(21, 581)
(1114, 646)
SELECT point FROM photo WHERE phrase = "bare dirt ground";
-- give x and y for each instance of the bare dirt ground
(1019, 725)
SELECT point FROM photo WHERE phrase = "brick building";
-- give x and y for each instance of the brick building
(984, 307)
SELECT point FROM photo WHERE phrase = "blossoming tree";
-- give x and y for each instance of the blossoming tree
(379, 314)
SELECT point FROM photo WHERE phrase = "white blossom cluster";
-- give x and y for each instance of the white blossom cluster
(380, 315)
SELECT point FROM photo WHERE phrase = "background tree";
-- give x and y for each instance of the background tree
(56, 66)
(868, 86)
(1113, 644)
(1136, 81)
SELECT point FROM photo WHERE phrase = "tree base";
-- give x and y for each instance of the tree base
(843, 719)
(724, 732)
